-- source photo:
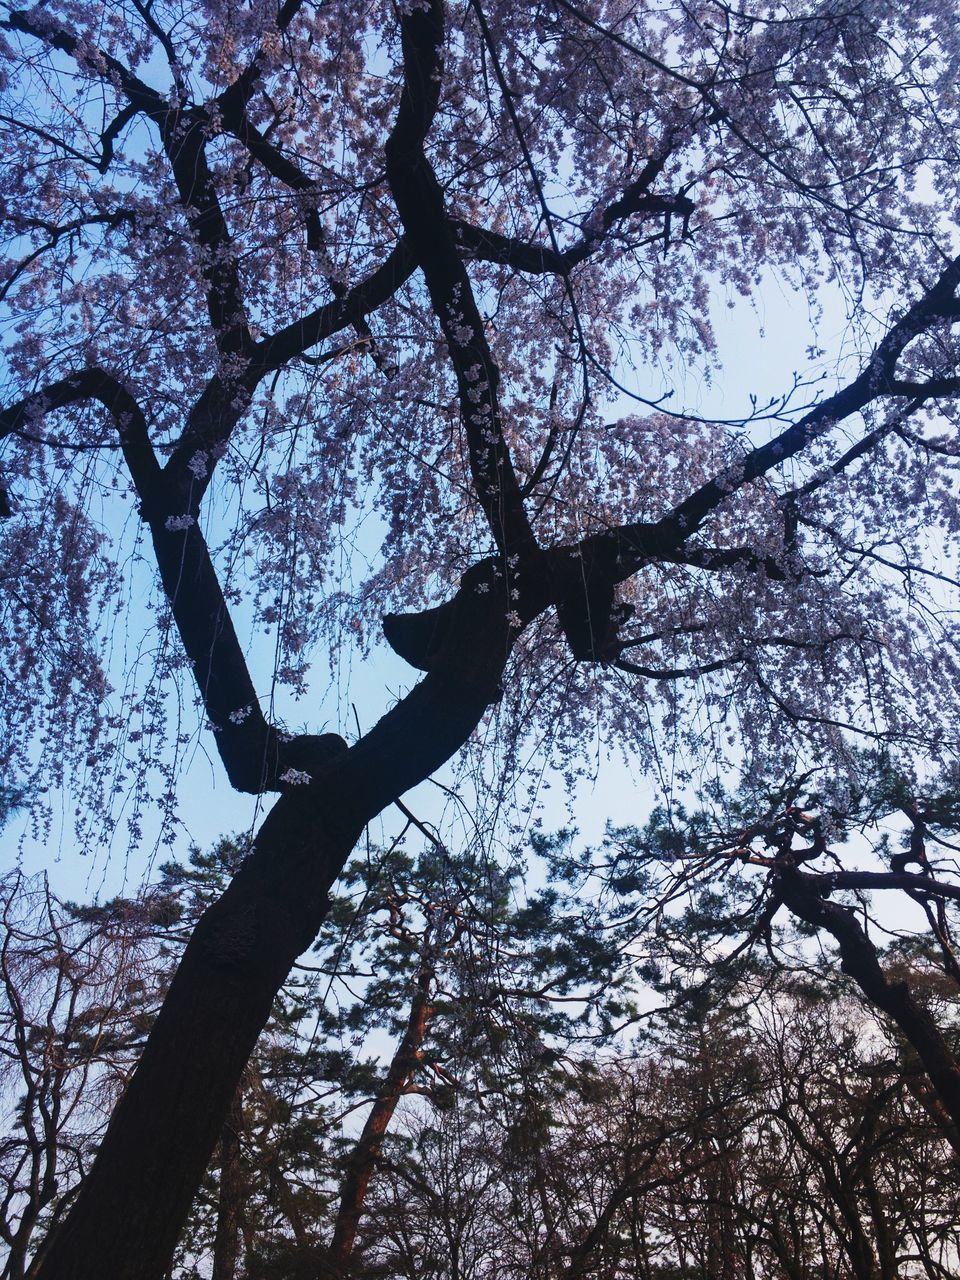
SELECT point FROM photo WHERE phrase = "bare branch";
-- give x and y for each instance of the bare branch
(637, 543)
(57, 233)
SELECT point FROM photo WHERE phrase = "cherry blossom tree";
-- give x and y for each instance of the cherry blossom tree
(367, 313)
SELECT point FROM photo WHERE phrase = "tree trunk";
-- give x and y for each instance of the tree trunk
(226, 1245)
(130, 1210)
(363, 1158)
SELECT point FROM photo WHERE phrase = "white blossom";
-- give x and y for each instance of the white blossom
(297, 777)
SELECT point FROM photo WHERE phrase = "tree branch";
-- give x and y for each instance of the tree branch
(34, 23)
(234, 120)
(430, 236)
(217, 411)
(238, 94)
(580, 577)
(491, 246)
(57, 232)
(643, 542)
(299, 336)
(182, 133)
(801, 893)
(184, 141)
(254, 753)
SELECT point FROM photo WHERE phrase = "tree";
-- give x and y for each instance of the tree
(78, 999)
(426, 953)
(821, 853)
(775, 1131)
(274, 271)
(774, 1136)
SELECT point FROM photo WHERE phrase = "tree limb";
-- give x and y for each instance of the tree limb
(801, 893)
(430, 236)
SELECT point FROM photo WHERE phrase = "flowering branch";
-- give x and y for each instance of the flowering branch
(430, 236)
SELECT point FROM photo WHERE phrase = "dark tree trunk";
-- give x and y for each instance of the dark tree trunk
(226, 1245)
(131, 1208)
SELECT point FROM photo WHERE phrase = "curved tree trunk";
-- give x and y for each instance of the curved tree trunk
(130, 1210)
(363, 1158)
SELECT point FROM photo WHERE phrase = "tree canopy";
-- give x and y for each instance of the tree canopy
(334, 321)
